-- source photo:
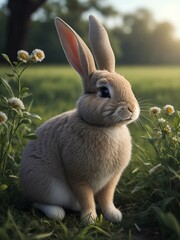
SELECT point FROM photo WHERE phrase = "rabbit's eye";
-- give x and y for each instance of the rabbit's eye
(104, 92)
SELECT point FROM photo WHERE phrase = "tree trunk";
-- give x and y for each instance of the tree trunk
(18, 24)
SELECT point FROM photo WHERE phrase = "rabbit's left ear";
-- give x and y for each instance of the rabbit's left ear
(100, 45)
(77, 52)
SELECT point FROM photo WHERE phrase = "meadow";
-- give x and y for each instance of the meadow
(149, 202)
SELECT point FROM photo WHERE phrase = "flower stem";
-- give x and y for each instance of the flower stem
(19, 79)
(5, 156)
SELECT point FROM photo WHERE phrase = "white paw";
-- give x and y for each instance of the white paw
(88, 218)
(112, 214)
(51, 211)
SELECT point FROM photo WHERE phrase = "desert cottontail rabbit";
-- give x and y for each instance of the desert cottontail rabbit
(80, 155)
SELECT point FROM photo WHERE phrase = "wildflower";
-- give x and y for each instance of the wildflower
(23, 56)
(152, 170)
(161, 120)
(37, 55)
(3, 118)
(167, 129)
(175, 139)
(154, 110)
(169, 109)
(16, 103)
(159, 134)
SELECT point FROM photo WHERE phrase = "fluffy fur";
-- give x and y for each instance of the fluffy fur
(80, 155)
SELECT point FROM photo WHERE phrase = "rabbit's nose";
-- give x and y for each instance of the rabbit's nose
(131, 107)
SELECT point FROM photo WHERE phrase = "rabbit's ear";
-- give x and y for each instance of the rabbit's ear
(77, 52)
(100, 45)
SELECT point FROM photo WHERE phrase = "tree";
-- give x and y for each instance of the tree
(164, 47)
(18, 24)
(72, 12)
(20, 12)
(148, 42)
(135, 43)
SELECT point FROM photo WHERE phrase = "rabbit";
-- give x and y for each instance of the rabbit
(80, 155)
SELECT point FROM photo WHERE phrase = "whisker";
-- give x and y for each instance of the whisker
(142, 124)
(146, 118)
(144, 100)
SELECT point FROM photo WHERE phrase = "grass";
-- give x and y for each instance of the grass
(56, 89)
(59, 86)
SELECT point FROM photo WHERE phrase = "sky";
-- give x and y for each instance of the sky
(162, 10)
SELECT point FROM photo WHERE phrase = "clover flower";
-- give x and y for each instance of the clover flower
(16, 103)
(3, 118)
(169, 109)
(167, 129)
(23, 56)
(37, 55)
(154, 110)
(161, 120)
(175, 139)
(159, 134)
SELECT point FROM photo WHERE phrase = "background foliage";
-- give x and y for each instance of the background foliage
(138, 39)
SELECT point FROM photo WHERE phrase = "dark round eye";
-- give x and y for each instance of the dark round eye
(104, 92)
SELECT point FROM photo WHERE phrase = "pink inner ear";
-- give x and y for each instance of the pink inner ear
(70, 45)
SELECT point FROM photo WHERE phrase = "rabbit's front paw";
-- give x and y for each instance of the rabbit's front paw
(112, 214)
(88, 217)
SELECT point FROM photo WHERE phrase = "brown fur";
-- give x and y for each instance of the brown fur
(80, 155)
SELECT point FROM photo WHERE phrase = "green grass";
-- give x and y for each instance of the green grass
(56, 89)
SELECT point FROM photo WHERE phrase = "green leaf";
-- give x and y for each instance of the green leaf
(25, 121)
(100, 230)
(24, 89)
(137, 189)
(26, 94)
(26, 113)
(169, 220)
(43, 235)
(35, 116)
(135, 170)
(5, 56)
(10, 75)
(174, 172)
(7, 86)
(3, 187)
(31, 136)
(13, 176)
(4, 100)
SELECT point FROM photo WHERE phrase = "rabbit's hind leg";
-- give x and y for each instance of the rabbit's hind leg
(51, 211)
(61, 194)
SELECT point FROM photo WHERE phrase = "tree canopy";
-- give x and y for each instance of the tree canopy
(137, 39)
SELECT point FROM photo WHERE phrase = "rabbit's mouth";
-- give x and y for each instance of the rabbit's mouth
(125, 114)
(128, 115)
(134, 115)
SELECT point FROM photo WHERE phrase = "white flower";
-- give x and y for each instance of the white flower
(154, 110)
(169, 109)
(175, 139)
(167, 129)
(161, 120)
(3, 118)
(37, 55)
(159, 134)
(16, 103)
(23, 56)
